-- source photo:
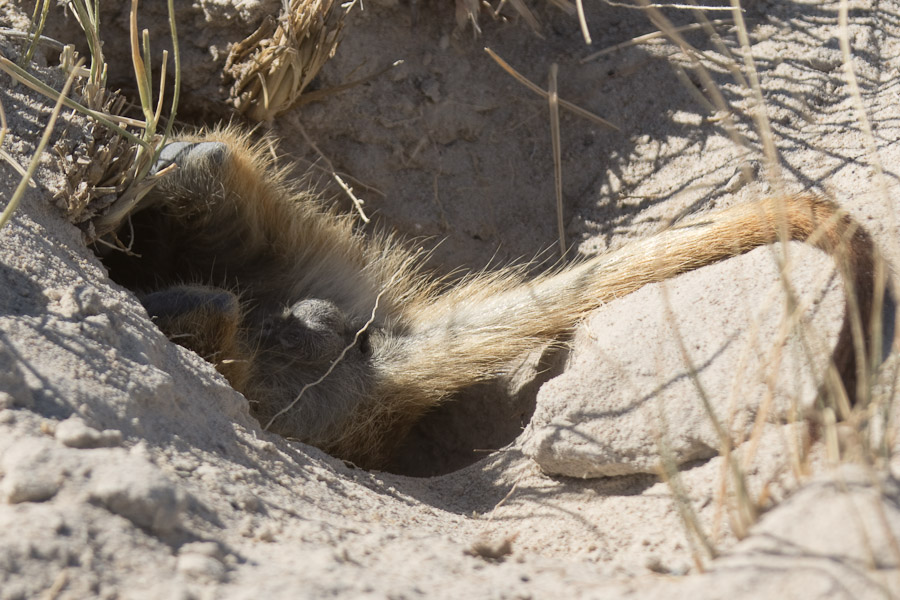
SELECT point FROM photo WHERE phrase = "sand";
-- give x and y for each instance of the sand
(130, 469)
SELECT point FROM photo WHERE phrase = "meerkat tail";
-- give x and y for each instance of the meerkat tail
(479, 327)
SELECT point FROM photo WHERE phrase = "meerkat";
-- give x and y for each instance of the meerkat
(343, 341)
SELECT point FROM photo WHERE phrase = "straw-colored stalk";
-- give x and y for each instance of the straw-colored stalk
(137, 180)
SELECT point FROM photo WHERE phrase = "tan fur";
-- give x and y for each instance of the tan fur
(308, 283)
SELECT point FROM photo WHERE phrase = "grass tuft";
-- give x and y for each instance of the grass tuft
(107, 176)
(273, 66)
(36, 157)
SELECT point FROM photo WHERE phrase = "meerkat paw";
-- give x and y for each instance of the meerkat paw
(205, 320)
(181, 300)
(193, 161)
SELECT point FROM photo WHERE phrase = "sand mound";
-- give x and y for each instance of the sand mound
(129, 468)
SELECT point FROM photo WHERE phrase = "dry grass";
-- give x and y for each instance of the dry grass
(468, 13)
(272, 67)
(99, 171)
(862, 433)
(36, 157)
(553, 100)
(108, 175)
(554, 103)
(846, 431)
(4, 155)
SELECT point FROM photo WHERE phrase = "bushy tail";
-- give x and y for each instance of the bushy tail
(473, 331)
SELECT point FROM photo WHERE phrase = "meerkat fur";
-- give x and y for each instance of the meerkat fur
(343, 341)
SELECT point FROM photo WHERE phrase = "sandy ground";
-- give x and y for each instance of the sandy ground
(130, 469)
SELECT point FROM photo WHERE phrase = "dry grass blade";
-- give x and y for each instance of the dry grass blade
(673, 6)
(142, 76)
(702, 549)
(9, 159)
(88, 17)
(526, 14)
(3, 154)
(859, 107)
(647, 37)
(723, 111)
(357, 202)
(467, 11)
(176, 55)
(37, 27)
(273, 66)
(553, 99)
(746, 507)
(759, 113)
(36, 157)
(25, 78)
(577, 110)
(582, 21)
(692, 90)
(565, 6)
(24, 35)
(318, 95)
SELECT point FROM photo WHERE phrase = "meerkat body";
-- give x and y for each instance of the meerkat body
(342, 341)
